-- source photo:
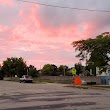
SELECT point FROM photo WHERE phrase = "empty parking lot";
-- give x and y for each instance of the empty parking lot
(51, 96)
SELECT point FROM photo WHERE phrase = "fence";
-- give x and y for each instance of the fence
(70, 78)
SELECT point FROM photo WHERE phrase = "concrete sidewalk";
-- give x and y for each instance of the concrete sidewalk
(90, 86)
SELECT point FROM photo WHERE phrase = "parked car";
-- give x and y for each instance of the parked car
(84, 82)
(26, 78)
(1, 78)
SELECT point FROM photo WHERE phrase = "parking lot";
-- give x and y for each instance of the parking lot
(51, 96)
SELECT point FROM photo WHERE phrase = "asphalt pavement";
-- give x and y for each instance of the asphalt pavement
(51, 96)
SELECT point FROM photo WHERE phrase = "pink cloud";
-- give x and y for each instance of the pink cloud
(33, 27)
(3, 28)
(38, 43)
(46, 40)
(41, 60)
(89, 28)
(7, 2)
(65, 33)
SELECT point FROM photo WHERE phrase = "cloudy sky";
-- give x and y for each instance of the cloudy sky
(42, 34)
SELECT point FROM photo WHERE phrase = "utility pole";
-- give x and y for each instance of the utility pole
(64, 70)
(27, 70)
(91, 72)
(86, 59)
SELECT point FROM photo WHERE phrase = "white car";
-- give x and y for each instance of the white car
(26, 78)
(84, 82)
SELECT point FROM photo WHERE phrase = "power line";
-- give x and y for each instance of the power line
(56, 6)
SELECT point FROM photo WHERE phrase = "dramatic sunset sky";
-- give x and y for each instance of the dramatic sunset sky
(43, 35)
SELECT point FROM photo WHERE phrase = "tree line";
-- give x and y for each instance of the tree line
(17, 66)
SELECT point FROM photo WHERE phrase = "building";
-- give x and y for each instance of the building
(104, 73)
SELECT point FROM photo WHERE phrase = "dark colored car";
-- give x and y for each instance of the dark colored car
(1, 78)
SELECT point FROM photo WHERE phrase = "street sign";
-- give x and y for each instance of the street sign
(73, 71)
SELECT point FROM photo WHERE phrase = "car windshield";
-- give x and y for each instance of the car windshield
(28, 76)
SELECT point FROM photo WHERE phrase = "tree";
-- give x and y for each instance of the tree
(63, 70)
(14, 66)
(49, 69)
(79, 68)
(1, 74)
(97, 49)
(54, 70)
(32, 71)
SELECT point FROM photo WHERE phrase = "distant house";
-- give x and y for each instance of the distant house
(104, 73)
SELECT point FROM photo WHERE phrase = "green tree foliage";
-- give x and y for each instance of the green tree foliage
(79, 68)
(49, 69)
(1, 74)
(32, 71)
(63, 70)
(14, 66)
(54, 70)
(98, 49)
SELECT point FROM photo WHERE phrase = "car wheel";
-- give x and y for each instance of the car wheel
(24, 81)
(30, 81)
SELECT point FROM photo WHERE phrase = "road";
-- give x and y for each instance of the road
(51, 96)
